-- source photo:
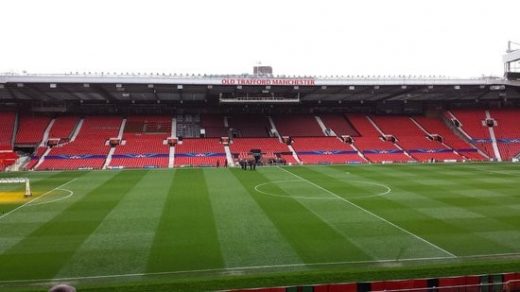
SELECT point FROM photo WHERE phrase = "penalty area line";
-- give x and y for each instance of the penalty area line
(35, 199)
(371, 213)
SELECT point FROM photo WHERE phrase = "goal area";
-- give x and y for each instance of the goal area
(18, 180)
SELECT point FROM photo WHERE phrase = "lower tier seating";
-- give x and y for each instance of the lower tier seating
(141, 162)
(331, 159)
(71, 164)
(382, 157)
(183, 161)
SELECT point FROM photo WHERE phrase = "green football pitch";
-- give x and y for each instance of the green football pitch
(204, 229)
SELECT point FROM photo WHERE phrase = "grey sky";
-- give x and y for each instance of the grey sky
(454, 38)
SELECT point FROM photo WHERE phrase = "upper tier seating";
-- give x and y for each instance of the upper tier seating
(7, 121)
(148, 124)
(472, 123)
(63, 127)
(339, 124)
(31, 129)
(508, 122)
(414, 140)
(213, 125)
(297, 125)
(370, 144)
(91, 140)
(250, 125)
(507, 132)
(188, 126)
(437, 126)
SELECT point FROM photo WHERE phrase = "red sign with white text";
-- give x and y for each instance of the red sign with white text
(270, 81)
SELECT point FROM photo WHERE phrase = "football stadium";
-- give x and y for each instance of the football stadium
(276, 183)
(243, 176)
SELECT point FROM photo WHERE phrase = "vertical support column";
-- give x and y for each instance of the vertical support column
(493, 139)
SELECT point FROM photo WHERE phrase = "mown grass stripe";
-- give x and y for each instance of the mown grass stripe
(312, 238)
(297, 171)
(128, 229)
(418, 208)
(186, 237)
(49, 247)
(247, 236)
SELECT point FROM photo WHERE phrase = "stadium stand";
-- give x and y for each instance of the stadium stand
(413, 140)
(188, 125)
(297, 125)
(63, 127)
(339, 124)
(90, 148)
(7, 122)
(31, 129)
(435, 126)
(7, 158)
(144, 139)
(370, 143)
(144, 143)
(213, 126)
(325, 150)
(271, 148)
(199, 152)
(507, 132)
(36, 157)
(249, 125)
(472, 122)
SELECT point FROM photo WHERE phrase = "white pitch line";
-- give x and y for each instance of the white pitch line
(227, 270)
(37, 198)
(71, 193)
(250, 268)
(371, 213)
(259, 186)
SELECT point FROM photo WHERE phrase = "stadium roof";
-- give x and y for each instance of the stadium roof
(158, 88)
